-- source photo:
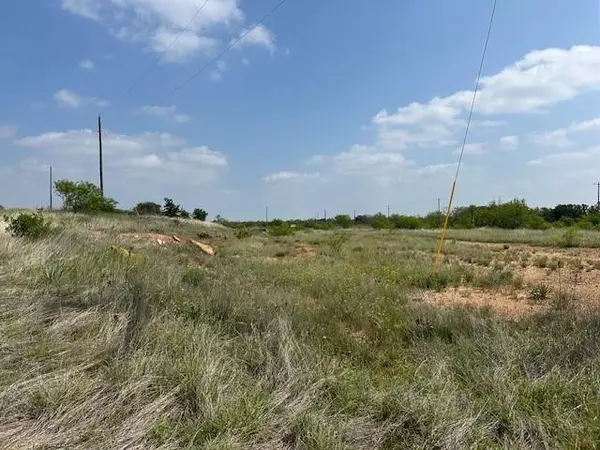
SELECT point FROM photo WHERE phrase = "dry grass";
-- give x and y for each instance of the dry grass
(322, 348)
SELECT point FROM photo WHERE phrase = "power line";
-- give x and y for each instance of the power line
(464, 142)
(225, 50)
(166, 50)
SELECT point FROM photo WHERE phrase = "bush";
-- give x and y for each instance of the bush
(343, 220)
(406, 222)
(242, 233)
(184, 214)
(381, 222)
(282, 230)
(200, 214)
(28, 225)
(336, 241)
(147, 209)
(570, 238)
(83, 197)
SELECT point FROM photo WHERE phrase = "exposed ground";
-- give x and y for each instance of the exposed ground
(320, 340)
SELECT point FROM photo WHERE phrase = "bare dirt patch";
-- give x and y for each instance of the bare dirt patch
(507, 303)
(152, 238)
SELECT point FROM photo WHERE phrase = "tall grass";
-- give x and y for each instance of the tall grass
(100, 351)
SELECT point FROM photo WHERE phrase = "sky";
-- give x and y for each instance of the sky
(338, 105)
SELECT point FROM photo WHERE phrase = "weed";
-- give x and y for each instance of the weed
(541, 261)
(193, 276)
(336, 241)
(242, 233)
(539, 292)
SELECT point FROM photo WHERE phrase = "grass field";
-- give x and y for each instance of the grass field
(320, 340)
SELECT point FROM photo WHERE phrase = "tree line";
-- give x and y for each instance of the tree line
(509, 215)
(86, 197)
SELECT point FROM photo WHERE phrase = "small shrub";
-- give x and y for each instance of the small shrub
(193, 276)
(570, 238)
(184, 214)
(541, 261)
(242, 233)
(336, 241)
(539, 292)
(343, 220)
(147, 209)
(563, 300)
(28, 225)
(282, 230)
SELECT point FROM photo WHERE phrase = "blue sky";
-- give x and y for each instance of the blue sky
(337, 105)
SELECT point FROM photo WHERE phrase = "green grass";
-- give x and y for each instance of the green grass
(174, 349)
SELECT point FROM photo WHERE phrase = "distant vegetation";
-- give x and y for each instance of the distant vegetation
(511, 215)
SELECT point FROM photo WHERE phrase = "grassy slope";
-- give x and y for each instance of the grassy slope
(258, 348)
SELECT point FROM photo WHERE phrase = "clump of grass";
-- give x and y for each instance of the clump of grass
(193, 276)
(541, 261)
(539, 292)
(242, 233)
(336, 241)
(494, 278)
(563, 300)
(570, 238)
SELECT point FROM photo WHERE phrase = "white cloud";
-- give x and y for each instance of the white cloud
(289, 176)
(539, 80)
(70, 99)
(136, 154)
(159, 24)
(216, 76)
(181, 45)
(168, 112)
(566, 158)
(86, 64)
(509, 142)
(245, 61)
(259, 35)
(7, 131)
(473, 149)
(561, 137)
(90, 9)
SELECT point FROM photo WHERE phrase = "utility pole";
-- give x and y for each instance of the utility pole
(267, 214)
(354, 214)
(598, 201)
(325, 215)
(439, 205)
(388, 206)
(100, 155)
(50, 188)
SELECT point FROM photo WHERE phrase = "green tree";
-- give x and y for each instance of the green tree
(84, 197)
(147, 209)
(381, 222)
(343, 220)
(199, 214)
(170, 209)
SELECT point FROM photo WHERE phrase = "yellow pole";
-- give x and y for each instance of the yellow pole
(440, 248)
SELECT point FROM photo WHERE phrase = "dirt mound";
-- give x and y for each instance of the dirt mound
(152, 238)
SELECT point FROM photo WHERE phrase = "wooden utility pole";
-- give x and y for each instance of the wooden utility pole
(388, 206)
(598, 201)
(50, 188)
(325, 215)
(267, 214)
(100, 155)
(439, 205)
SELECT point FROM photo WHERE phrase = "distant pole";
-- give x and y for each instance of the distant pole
(100, 155)
(354, 214)
(325, 215)
(50, 188)
(267, 214)
(598, 201)
(388, 206)
(439, 205)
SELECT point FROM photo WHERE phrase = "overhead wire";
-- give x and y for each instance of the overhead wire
(167, 49)
(231, 45)
(440, 248)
